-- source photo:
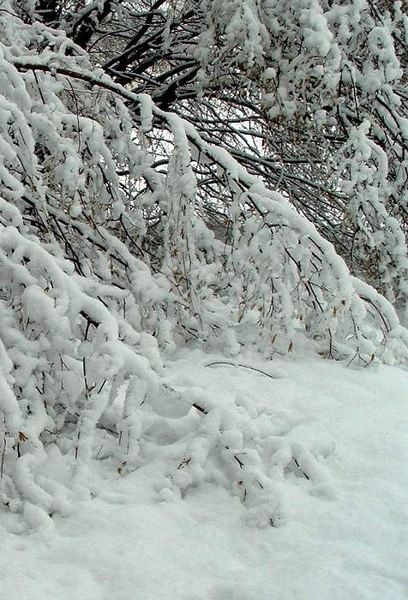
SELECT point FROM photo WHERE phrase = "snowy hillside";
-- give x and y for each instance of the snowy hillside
(328, 442)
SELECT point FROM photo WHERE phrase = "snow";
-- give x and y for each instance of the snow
(127, 472)
(343, 533)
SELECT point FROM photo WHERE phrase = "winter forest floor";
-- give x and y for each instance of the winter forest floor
(343, 533)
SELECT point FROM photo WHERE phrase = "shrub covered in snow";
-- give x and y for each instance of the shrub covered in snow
(107, 263)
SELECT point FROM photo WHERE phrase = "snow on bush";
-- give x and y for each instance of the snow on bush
(107, 264)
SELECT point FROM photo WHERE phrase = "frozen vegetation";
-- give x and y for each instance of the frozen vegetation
(203, 299)
(327, 443)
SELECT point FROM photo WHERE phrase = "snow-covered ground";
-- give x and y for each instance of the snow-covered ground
(340, 501)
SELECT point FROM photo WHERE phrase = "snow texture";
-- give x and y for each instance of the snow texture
(107, 265)
(343, 531)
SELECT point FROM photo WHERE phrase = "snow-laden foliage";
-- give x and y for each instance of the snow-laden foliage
(108, 262)
(310, 95)
(333, 74)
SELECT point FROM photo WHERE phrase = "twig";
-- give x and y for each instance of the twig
(230, 364)
(2, 457)
(239, 461)
(300, 469)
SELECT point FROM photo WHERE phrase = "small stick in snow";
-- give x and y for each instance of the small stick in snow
(239, 461)
(3, 454)
(300, 469)
(231, 364)
(200, 408)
